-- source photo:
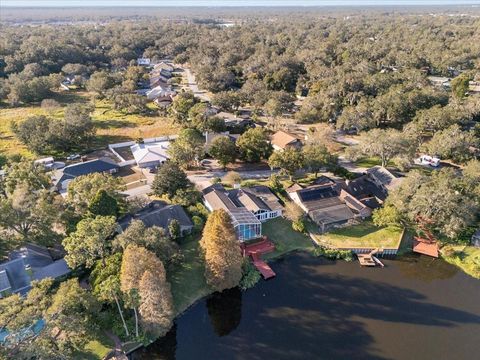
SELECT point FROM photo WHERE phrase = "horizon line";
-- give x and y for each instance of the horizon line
(233, 6)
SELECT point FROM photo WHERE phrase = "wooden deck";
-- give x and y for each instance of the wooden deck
(255, 251)
(425, 248)
(426, 244)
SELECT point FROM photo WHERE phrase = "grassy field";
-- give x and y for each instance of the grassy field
(286, 239)
(112, 125)
(187, 279)
(363, 235)
(465, 257)
(96, 349)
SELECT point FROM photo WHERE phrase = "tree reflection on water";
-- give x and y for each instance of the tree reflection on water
(225, 310)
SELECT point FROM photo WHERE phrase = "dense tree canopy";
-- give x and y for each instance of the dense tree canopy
(169, 179)
(441, 199)
(254, 145)
(43, 135)
(91, 241)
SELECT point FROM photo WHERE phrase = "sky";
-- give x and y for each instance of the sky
(139, 3)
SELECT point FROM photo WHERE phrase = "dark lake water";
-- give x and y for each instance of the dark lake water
(415, 308)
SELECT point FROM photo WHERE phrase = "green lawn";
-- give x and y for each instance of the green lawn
(363, 235)
(368, 162)
(96, 349)
(465, 257)
(286, 239)
(187, 279)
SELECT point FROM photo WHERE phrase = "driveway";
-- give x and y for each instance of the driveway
(351, 166)
(138, 191)
(345, 139)
(192, 84)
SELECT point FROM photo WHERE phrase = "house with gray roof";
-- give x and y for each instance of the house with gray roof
(367, 191)
(151, 155)
(158, 213)
(62, 178)
(384, 177)
(248, 207)
(260, 201)
(14, 278)
(28, 263)
(329, 206)
(246, 225)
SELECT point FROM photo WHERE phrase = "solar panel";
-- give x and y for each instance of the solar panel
(318, 193)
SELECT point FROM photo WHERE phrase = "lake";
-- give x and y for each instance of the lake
(414, 308)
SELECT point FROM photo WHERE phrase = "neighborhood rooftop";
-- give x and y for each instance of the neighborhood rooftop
(151, 154)
(70, 172)
(158, 213)
(384, 177)
(247, 207)
(30, 262)
(281, 139)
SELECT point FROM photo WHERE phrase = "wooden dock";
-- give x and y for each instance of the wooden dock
(255, 251)
(262, 266)
(369, 259)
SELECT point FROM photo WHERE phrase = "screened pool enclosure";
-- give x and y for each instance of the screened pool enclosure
(246, 225)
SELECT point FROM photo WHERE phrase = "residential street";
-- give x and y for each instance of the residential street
(203, 180)
(192, 84)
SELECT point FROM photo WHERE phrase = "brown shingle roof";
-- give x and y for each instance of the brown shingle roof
(264, 194)
(282, 139)
(219, 200)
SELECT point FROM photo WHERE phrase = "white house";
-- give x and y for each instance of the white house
(159, 92)
(150, 155)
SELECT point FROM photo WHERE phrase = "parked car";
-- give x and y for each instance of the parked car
(429, 161)
(73, 156)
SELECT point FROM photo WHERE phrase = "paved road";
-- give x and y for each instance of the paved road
(205, 179)
(192, 84)
(345, 139)
(202, 180)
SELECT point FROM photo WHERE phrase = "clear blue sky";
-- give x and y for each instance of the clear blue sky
(63, 3)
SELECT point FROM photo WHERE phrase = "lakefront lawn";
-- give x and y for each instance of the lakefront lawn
(365, 234)
(286, 240)
(466, 258)
(187, 278)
